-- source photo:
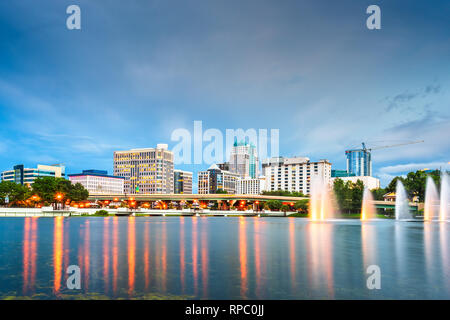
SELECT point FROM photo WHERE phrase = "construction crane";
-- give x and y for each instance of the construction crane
(390, 146)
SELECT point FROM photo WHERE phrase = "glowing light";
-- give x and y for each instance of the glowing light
(368, 210)
(58, 252)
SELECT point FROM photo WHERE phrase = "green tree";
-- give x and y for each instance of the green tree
(379, 193)
(47, 188)
(302, 205)
(392, 186)
(16, 193)
(343, 194)
(415, 183)
(221, 191)
(357, 192)
(284, 208)
(283, 193)
(274, 204)
(78, 192)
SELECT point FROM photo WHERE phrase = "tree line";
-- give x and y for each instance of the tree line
(44, 191)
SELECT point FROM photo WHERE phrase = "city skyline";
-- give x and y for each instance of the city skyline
(129, 77)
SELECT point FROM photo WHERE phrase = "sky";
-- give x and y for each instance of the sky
(138, 70)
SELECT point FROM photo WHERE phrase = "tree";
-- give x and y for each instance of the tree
(274, 204)
(78, 193)
(49, 188)
(349, 195)
(284, 208)
(16, 193)
(45, 188)
(392, 186)
(357, 191)
(283, 193)
(302, 205)
(221, 191)
(415, 183)
(379, 193)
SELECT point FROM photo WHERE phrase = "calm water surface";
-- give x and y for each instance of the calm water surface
(222, 258)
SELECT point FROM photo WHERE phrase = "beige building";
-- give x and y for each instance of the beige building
(182, 181)
(294, 174)
(146, 171)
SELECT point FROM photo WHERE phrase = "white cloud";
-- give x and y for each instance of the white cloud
(400, 168)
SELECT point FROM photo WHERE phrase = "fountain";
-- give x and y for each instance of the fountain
(321, 202)
(431, 200)
(445, 197)
(401, 203)
(368, 210)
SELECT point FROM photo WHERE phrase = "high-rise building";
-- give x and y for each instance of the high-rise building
(26, 176)
(182, 181)
(294, 174)
(359, 162)
(215, 180)
(98, 181)
(244, 160)
(148, 170)
(250, 185)
(224, 166)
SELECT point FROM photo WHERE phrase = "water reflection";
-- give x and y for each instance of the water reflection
(243, 256)
(445, 256)
(146, 256)
(182, 255)
(368, 241)
(320, 266)
(58, 239)
(29, 255)
(204, 255)
(194, 254)
(131, 254)
(106, 253)
(292, 253)
(428, 249)
(257, 249)
(231, 258)
(164, 257)
(115, 254)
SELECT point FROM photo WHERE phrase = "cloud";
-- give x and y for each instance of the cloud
(432, 89)
(431, 128)
(408, 167)
(399, 100)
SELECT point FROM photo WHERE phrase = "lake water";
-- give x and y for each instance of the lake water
(222, 258)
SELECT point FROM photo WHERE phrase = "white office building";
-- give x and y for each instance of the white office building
(294, 174)
(99, 182)
(26, 176)
(369, 182)
(250, 186)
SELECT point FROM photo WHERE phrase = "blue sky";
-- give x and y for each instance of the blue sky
(140, 69)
